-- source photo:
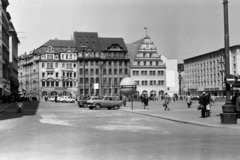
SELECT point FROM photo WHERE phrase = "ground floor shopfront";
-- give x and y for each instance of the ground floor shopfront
(58, 91)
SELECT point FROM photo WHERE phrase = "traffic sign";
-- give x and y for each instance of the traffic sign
(230, 79)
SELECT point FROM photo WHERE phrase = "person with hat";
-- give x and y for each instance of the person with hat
(204, 101)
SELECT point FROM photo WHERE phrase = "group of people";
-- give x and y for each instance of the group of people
(205, 102)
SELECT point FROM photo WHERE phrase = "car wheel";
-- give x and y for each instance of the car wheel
(90, 107)
(85, 105)
(109, 108)
(115, 107)
(97, 106)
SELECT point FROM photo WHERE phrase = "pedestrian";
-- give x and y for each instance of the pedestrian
(208, 106)
(20, 104)
(166, 101)
(234, 98)
(30, 98)
(189, 100)
(237, 104)
(124, 101)
(145, 101)
(203, 100)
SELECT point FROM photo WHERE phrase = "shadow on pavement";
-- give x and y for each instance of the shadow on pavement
(29, 109)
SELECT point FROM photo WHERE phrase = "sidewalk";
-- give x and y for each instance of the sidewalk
(179, 112)
(5, 106)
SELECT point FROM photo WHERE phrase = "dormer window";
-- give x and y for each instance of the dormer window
(50, 48)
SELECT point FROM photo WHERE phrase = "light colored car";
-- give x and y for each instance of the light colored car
(51, 99)
(66, 99)
(108, 102)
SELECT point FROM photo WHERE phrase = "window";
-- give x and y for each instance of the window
(109, 63)
(104, 80)
(138, 63)
(56, 65)
(92, 80)
(81, 80)
(150, 63)
(49, 65)
(43, 84)
(120, 71)
(126, 71)
(115, 81)
(63, 65)
(86, 71)
(69, 65)
(43, 65)
(97, 63)
(56, 74)
(126, 64)
(97, 80)
(91, 63)
(57, 84)
(104, 71)
(92, 72)
(43, 74)
(74, 65)
(52, 84)
(120, 63)
(144, 63)
(110, 71)
(110, 81)
(115, 71)
(97, 71)
(50, 56)
(86, 80)
(75, 74)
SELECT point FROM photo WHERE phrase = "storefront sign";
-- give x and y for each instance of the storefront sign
(60, 88)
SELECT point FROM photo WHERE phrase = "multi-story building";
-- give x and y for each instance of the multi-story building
(147, 68)
(4, 49)
(28, 70)
(206, 72)
(66, 67)
(105, 61)
(13, 48)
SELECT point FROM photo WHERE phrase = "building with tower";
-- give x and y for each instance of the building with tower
(154, 74)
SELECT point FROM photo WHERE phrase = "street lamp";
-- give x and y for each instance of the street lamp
(229, 115)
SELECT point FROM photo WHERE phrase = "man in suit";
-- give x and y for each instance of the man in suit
(203, 100)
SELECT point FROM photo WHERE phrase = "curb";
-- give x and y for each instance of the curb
(6, 107)
(178, 120)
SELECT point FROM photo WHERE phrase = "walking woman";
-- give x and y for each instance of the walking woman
(189, 100)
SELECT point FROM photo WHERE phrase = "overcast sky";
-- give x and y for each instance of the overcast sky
(179, 28)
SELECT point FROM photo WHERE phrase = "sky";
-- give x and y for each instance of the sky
(180, 29)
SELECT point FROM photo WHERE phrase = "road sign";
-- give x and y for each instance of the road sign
(230, 79)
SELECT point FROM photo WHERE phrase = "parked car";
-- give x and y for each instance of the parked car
(66, 99)
(108, 102)
(51, 99)
(83, 102)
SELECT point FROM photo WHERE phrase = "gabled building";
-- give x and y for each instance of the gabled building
(147, 68)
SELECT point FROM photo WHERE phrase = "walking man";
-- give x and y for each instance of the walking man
(203, 100)
(166, 101)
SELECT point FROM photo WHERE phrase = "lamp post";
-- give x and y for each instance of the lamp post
(229, 115)
(221, 71)
(180, 81)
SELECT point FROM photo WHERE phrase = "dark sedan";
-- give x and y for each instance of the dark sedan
(83, 102)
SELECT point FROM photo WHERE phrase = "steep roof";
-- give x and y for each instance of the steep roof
(107, 42)
(89, 39)
(59, 43)
(133, 48)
